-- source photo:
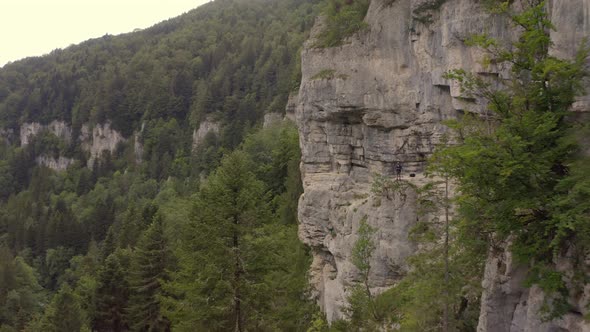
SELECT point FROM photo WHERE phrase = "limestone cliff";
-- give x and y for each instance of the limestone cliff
(205, 127)
(383, 102)
(60, 129)
(101, 138)
(59, 164)
(94, 140)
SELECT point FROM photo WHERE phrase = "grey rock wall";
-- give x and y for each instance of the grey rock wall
(95, 140)
(384, 103)
(98, 139)
(29, 130)
(205, 127)
(59, 164)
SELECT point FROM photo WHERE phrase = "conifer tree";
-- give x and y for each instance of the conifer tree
(149, 264)
(64, 313)
(214, 281)
(112, 294)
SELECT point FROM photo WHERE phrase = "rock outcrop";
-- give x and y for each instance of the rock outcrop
(272, 118)
(205, 127)
(384, 103)
(60, 129)
(96, 140)
(59, 164)
(101, 138)
(507, 305)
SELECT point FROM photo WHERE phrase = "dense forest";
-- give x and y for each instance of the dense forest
(162, 233)
(176, 239)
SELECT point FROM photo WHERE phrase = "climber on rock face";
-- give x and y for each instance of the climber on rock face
(398, 170)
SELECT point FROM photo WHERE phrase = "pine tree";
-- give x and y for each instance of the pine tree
(214, 282)
(20, 292)
(112, 294)
(64, 313)
(149, 264)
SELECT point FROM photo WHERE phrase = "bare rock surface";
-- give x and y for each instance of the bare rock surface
(98, 139)
(95, 140)
(60, 129)
(385, 103)
(205, 127)
(59, 164)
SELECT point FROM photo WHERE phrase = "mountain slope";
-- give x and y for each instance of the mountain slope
(102, 139)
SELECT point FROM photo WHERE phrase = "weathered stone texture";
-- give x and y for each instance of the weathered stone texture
(101, 138)
(205, 127)
(384, 103)
(60, 129)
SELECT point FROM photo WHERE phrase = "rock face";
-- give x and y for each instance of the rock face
(272, 119)
(101, 138)
(291, 107)
(138, 148)
(205, 127)
(384, 103)
(32, 129)
(59, 164)
(509, 306)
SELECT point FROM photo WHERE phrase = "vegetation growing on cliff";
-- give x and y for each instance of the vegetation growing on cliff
(518, 167)
(522, 185)
(343, 18)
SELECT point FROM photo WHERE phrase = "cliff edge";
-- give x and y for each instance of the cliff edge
(380, 99)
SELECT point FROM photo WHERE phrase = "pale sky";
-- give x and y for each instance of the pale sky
(36, 27)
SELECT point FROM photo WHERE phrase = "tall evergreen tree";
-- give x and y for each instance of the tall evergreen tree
(64, 313)
(112, 294)
(149, 264)
(215, 282)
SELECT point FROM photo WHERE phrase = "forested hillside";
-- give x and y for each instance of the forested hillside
(445, 172)
(157, 234)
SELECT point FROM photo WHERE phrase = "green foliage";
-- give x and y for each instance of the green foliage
(275, 154)
(318, 324)
(231, 247)
(518, 168)
(88, 233)
(361, 310)
(363, 249)
(388, 187)
(148, 271)
(423, 11)
(417, 303)
(344, 18)
(112, 294)
(64, 313)
(324, 74)
(21, 295)
(228, 209)
(232, 52)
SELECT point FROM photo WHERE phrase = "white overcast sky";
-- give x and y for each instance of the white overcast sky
(36, 27)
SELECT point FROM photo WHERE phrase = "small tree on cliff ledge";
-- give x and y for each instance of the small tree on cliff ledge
(519, 171)
(361, 305)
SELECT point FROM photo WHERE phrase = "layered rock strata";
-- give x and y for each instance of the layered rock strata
(383, 102)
